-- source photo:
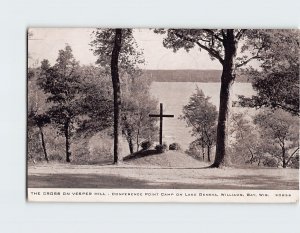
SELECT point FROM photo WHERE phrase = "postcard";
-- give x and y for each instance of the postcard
(162, 115)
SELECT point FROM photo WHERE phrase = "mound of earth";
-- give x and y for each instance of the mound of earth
(176, 159)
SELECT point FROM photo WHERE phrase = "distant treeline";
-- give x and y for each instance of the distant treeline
(187, 76)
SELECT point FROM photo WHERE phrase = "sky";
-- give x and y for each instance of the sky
(46, 42)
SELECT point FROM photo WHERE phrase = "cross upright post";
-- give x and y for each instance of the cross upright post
(160, 115)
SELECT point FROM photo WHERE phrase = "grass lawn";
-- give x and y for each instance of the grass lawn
(141, 173)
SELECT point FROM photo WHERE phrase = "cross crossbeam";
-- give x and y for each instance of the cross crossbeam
(161, 116)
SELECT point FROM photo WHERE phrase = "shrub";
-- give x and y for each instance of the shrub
(146, 145)
(270, 162)
(161, 148)
(94, 150)
(102, 151)
(35, 151)
(174, 146)
(193, 150)
(295, 162)
(56, 156)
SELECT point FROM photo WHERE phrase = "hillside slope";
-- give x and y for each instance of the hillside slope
(174, 159)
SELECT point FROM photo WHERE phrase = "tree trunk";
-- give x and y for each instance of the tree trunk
(251, 158)
(208, 153)
(202, 147)
(116, 90)
(67, 136)
(291, 156)
(227, 80)
(130, 144)
(138, 140)
(44, 144)
(284, 163)
(222, 128)
(129, 140)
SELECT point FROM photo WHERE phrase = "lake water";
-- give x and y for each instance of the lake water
(174, 95)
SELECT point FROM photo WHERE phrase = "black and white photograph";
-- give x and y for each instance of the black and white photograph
(162, 115)
(149, 116)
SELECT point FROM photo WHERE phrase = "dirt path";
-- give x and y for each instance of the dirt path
(151, 177)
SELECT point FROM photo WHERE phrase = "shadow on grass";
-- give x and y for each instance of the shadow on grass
(119, 182)
(140, 154)
(260, 182)
(101, 162)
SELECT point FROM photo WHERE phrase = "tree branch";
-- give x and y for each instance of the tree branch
(247, 61)
(291, 110)
(289, 159)
(223, 34)
(213, 34)
(211, 51)
(256, 56)
(240, 34)
(193, 125)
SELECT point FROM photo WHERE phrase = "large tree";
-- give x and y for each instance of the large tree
(90, 105)
(279, 130)
(117, 53)
(277, 80)
(137, 104)
(39, 121)
(246, 145)
(61, 82)
(222, 45)
(37, 118)
(201, 115)
(96, 102)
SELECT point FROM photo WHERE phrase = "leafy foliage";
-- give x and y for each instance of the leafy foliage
(222, 45)
(246, 145)
(35, 149)
(174, 146)
(280, 131)
(118, 55)
(136, 106)
(201, 115)
(271, 139)
(161, 148)
(214, 41)
(96, 103)
(62, 83)
(37, 119)
(196, 150)
(146, 145)
(277, 80)
(130, 56)
(76, 99)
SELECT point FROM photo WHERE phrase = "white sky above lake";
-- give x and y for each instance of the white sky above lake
(46, 42)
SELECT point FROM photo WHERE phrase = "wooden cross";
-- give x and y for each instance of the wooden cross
(160, 115)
